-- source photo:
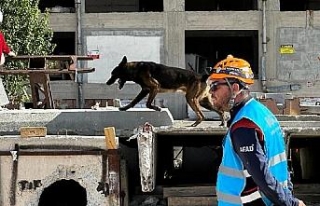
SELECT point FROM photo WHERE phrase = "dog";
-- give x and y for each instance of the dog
(157, 78)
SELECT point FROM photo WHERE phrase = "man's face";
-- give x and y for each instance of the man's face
(220, 94)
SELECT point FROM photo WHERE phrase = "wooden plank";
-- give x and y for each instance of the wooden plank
(292, 107)
(113, 178)
(192, 201)
(272, 105)
(194, 191)
(309, 199)
(189, 191)
(51, 57)
(110, 136)
(39, 82)
(46, 71)
(26, 132)
(306, 188)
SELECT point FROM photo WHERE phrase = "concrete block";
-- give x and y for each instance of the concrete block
(83, 121)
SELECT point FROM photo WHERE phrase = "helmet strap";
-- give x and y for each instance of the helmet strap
(231, 102)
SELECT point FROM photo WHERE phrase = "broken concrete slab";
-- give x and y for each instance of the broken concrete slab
(82, 121)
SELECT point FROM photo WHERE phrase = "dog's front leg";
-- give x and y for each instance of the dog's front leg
(138, 98)
(151, 97)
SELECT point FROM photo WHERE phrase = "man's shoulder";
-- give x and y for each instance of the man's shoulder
(244, 123)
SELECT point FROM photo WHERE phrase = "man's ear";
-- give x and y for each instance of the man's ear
(236, 87)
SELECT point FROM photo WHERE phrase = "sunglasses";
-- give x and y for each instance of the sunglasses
(214, 86)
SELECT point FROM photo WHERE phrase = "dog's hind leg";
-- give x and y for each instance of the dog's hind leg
(199, 114)
(143, 93)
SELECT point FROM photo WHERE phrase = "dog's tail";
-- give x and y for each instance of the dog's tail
(205, 74)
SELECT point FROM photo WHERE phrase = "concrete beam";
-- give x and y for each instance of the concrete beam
(82, 121)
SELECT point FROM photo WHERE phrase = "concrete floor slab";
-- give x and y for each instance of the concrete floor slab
(82, 121)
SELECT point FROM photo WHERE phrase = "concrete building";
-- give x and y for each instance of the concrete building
(278, 37)
(164, 162)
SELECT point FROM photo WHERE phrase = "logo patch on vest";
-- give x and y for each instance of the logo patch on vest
(247, 148)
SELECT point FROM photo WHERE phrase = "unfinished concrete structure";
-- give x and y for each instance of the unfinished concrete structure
(279, 42)
(278, 37)
(72, 164)
(168, 160)
(58, 169)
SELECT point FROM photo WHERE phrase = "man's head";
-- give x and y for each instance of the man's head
(233, 68)
(230, 77)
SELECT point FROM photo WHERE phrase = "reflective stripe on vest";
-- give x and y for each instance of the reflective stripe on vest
(242, 174)
(285, 184)
(233, 172)
(277, 159)
(234, 199)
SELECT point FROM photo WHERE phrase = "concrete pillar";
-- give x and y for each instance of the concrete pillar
(176, 38)
(175, 32)
(173, 5)
(273, 7)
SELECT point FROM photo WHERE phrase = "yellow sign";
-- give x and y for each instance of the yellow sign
(287, 49)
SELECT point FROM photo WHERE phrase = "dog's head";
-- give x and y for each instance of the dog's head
(119, 73)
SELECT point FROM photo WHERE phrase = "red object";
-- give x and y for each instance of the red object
(95, 54)
(4, 48)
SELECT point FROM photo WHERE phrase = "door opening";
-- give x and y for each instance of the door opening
(64, 192)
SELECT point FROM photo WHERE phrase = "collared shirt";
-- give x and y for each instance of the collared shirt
(244, 133)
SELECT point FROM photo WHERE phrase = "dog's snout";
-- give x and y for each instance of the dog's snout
(110, 81)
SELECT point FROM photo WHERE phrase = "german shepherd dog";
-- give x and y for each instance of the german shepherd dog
(157, 78)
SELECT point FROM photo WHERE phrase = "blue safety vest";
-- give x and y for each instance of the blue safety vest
(232, 175)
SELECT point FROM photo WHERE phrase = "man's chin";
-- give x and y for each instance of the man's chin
(221, 107)
(226, 109)
(217, 104)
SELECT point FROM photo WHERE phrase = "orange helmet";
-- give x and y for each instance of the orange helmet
(233, 68)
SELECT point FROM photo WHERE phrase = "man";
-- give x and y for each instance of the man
(4, 49)
(254, 169)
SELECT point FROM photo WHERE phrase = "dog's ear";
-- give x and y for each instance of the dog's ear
(123, 61)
